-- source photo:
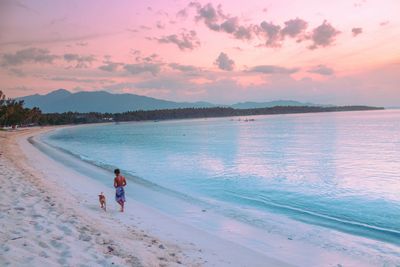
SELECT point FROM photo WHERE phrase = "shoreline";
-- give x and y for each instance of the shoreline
(158, 239)
(109, 237)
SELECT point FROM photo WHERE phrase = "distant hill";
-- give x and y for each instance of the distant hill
(246, 105)
(62, 100)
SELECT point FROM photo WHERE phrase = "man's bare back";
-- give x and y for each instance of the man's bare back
(119, 181)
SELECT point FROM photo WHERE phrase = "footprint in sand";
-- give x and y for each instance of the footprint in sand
(65, 230)
(38, 227)
(43, 254)
(66, 254)
(43, 244)
(5, 248)
(85, 237)
(55, 244)
(62, 261)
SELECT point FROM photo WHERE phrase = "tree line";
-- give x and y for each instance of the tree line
(185, 113)
(13, 113)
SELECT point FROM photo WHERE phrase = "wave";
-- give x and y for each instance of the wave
(338, 223)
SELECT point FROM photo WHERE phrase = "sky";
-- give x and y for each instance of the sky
(339, 52)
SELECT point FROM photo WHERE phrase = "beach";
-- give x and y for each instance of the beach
(51, 215)
(246, 135)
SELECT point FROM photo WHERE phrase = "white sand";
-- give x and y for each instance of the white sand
(50, 215)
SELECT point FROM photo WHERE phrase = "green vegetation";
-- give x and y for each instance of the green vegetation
(13, 113)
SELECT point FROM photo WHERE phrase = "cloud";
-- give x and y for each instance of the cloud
(81, 61)
(244, 32)
(324, 35)
(272, 33)
(360, 3)
(132, 88)
(144, 27)
(182, 13)
(17, 72)
(73, 79)
(334, 90)
(150, 58)
(322, 70)
(154, 87)
(170, 83)
(135, 52)
(186, 40)
(160, 25)
(58, 21)
(216, 20)
(356, 31)
(5, 4)
(19, 88)
(384, 23)
(132, 30)
(230, 25)
(81, 44)
(294, 27)
(210, 16)
(275, 34)
(140, 58)
(271, 69)
(110, 66)
(183, 68)
(224, 62)
(28, 55)
(52, 40)
(143, 68)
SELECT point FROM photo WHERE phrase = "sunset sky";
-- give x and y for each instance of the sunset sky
(328, 52)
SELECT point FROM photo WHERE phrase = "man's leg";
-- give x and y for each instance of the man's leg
(121, 203)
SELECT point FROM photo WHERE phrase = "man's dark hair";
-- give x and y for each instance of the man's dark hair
(116, 171)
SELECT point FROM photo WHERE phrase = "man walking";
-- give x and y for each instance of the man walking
(119, 183)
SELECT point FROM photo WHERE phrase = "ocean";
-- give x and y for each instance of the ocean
(338, 170)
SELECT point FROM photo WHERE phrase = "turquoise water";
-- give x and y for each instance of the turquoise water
(339, 170)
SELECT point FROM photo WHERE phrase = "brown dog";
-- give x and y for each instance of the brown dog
(102, 200)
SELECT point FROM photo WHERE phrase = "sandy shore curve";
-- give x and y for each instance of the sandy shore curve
(50, 216)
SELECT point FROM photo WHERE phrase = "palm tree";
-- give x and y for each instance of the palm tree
(32, 116)
(12, 112)
(3, 108)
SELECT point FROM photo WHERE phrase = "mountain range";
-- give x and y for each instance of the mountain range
(62, 100)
